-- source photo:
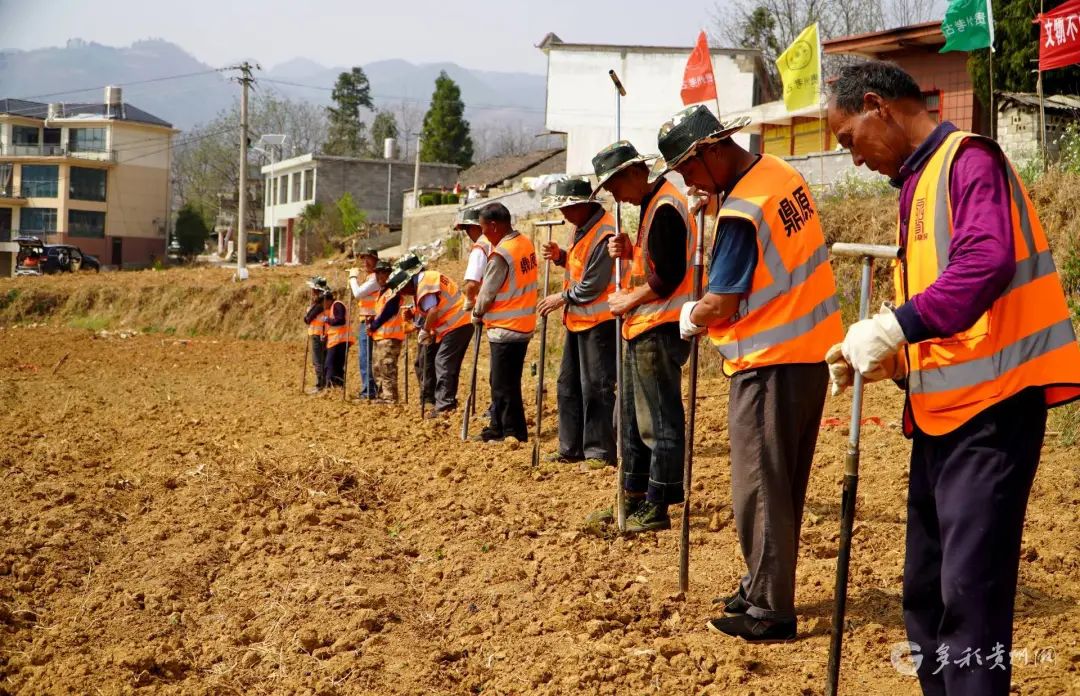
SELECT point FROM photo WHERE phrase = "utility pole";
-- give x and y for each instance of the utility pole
(245, 81)
(416, 176)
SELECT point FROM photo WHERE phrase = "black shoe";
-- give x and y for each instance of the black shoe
(754, 630)
(649, 517)
(489, 435)
(733, 605)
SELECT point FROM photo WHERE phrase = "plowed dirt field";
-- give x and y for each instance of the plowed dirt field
(178, 518)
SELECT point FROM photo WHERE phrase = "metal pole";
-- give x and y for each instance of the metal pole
(993, 107)
(1042, 106)
(543, 349)
(273, 188)
(389, 170)
(416, 181)
(470, 404)
(406, 369)
(241, 206)
(303, 380)
(345, 368)
(688, 459)
(867, 253)
(620, 511)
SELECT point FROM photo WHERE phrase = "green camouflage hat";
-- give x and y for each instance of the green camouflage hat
(613, 159)
(688, 130)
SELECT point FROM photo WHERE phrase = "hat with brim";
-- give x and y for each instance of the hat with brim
(469, 217)
(567, 193)
(407, 268)
(613, 159)
(318, 283)
(374, 253)
(686, 133)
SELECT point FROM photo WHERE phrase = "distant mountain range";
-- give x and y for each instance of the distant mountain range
(49, 74)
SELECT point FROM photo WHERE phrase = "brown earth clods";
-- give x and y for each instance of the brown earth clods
(178, 518)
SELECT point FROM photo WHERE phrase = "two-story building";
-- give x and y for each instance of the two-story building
(93, 175)
(376, 186)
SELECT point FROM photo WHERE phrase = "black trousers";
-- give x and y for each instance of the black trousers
(967, 496)
(439, 386)
(586, 394)
(335, 365)
(507, 407)
(318, 360)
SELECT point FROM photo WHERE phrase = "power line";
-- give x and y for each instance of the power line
(391, 97)
(123, 84)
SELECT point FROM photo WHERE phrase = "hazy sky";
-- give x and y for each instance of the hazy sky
(483, 34)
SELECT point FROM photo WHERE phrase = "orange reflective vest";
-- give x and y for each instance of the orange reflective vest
(666, 309)
(450, 311)
(336, 335)
(365, 304)
(1025, 339)
(394, 328)
(514, 307)
(791, 314)
(583, 317)
(317, 327)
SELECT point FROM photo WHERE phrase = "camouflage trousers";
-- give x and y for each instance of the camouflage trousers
(386, 357)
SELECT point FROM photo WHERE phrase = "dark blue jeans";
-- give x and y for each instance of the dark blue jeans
(967, 495)
(364, 358)
(653, 420)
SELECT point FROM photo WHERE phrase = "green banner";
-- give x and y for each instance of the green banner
(968, 25)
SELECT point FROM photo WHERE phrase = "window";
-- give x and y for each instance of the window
(25, 135)
(37, 220)
(283, 189)
(86, 223)
(39, 180)
(296, 186)
(933, 104)
(86, 140)
(7, 171)
(87, 184)
(309, 185)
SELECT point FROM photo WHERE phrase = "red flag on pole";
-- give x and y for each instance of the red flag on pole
(698, 83)
(1059, 36)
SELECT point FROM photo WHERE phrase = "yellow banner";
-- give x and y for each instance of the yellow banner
(800, 70)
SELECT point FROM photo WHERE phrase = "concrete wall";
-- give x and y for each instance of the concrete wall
(581, 98)
(1019, 132)
(836, 166)
(366, 181)
(428, 224)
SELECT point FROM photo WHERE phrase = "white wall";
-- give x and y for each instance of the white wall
(281, 212)
(581, 97)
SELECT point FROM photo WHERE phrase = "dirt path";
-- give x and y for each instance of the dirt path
(177, 518)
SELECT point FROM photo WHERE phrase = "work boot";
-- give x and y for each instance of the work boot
(649, 517)
(490, 435)
(732, 605)
(631, 503)
(754, 630)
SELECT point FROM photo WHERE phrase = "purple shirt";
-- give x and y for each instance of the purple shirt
(982, 260)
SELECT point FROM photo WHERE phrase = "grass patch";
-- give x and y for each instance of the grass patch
(1066, 420)
(90, 322)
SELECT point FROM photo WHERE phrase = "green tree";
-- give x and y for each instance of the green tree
(191, 231)
(352, 217)
(346, 131)
(446, 132)
(1016, 45)
(384, 126)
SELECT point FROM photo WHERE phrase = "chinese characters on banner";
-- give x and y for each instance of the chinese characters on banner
(968, 25)
(698, 82)
(1059, 36)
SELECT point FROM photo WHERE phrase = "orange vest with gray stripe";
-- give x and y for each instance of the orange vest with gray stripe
(584, 317)
(514, 307)
(1025, 339)
(365, 304)
(791, 314)
(394, 327)
(336, 335)
(450, 311)
(663, 310)
(317, 327)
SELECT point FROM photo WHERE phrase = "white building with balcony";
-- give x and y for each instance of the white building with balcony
(93, 175)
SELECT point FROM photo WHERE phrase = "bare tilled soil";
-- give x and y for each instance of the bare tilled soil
(178, 518)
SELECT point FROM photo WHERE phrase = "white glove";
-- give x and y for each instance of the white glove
(354, 272)
(870, 343)
(841, 376)
(424, 337)
(687, 328)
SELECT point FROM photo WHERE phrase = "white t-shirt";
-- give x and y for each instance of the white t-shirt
(477, 263)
